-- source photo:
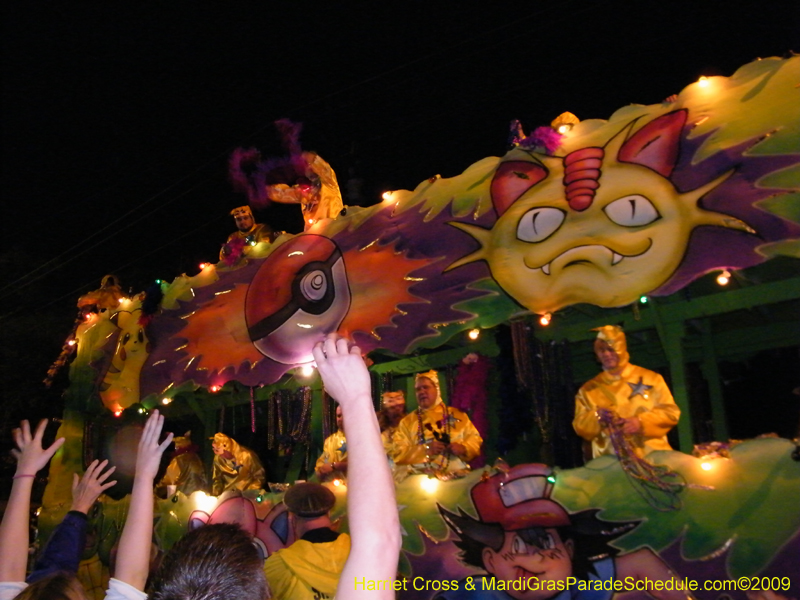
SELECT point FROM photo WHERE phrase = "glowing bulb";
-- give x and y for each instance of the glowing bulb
(203, 266)
(551, 478)
(337, 482)
(703, 81)
(545, 319)
(724, 278)
(386, 195)
(643, 299)
(214, 388)
(311, 221)
(566, 127)
(307, 370)
(71, 343)
(474, 334)
(141, 410)
(259, 498)
(429, 484)
(118, 412)
(166, 401)
(158, 281)
(253, 243)
(706, 465)
(204, 502)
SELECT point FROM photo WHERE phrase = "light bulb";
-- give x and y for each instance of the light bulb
(204, 502)
(429, 484)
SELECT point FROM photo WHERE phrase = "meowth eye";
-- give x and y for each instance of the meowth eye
(538, 224)
(632, 211)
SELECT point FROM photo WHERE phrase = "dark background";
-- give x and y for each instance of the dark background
(118, 119)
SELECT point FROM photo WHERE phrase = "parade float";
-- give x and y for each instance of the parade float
(580, 224)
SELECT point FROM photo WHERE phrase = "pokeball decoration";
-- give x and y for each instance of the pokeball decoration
(639, 205)
(299, 295)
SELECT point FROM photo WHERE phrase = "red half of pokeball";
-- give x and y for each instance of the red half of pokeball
(299, 294)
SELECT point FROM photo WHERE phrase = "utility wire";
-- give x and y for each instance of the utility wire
(16, 285)
(58, 259)
(83, 287)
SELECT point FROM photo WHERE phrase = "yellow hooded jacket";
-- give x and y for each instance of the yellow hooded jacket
(632, 392)
(334, 450)
(306, 570)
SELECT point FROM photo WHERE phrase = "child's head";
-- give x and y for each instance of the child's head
(57, 586)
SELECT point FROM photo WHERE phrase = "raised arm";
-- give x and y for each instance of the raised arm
(134, 544)
(31, 457)
(371, 505)
(64, 548)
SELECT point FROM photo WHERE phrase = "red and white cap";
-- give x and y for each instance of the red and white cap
(519, 499)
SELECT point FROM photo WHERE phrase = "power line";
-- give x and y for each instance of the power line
(60, 263)
(84, 286)
(29, 278)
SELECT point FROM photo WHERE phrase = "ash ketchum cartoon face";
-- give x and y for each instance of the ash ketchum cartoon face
(600, 225)
(549, 560)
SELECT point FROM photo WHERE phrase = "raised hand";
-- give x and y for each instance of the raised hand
(342, 369)
(134, 543)
(14, 527)
(86, 489)
(148, 457)
(30, 455)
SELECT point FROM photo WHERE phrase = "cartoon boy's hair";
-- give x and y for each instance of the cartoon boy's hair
(591, 538)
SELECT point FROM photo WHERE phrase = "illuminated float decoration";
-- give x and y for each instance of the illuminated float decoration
(607, 213)
(738, 518)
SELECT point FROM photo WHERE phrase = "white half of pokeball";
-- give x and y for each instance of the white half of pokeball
(292, 341)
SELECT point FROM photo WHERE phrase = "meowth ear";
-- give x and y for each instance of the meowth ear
(656, 145)
(511, 180)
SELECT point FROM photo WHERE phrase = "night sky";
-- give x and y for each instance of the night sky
(118, 118)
